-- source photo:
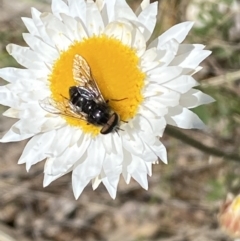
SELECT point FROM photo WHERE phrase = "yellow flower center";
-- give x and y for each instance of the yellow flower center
(114, 67)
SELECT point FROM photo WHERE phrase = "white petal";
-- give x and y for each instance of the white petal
(107, 142)
(183, 118)
(109, 5)
(178, 32)
(76, 136)
(83, 143)
(30, 25)
(194, 98)
(89, 168)
(148, 18)
(26, 91)
(157, 126)
(167, 52)
(36, 148)
(57, 31)
(182, 84)
(52, 22)
(61, 42)
(77, 31)
(117, 148)
(149, 55)
(48, 53)
(132, 142)
(58, 147)
(147, 111)
(112, 163)
(122, 10)
(25, 85)
(185, 48)
(49, 178)
(192, 71)
(26, 57)
(94, 22)
(16, 134)
(148, 60)
(66, 160)
(138, 42)
(127, 160)
(31, 126)
(111, 183)
(58, 6)
(121, 31)
(147, 154)
(117, 9)
(16, 95)
(169, 98)
(142, 6)
(155, 107)
(151, 91)
(69, 157)
(11, 112)
(162, 75)
(191, 60)
(24, 111)
(8, 98)
(32, 96)
(77, 8)
(111, 168)
(127, 34)
(50, 123)
(138, 171)
(12, 75)
(39, 25)
(78, 185)
(100, 4)
(149, 168)
(160, 150)
(96, 182)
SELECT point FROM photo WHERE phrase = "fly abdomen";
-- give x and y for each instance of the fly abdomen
(80, 100)
(84, 102)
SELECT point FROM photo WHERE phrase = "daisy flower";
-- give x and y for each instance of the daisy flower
(147, 86)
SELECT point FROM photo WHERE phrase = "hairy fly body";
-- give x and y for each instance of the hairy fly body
(85, 100)
(100, 114)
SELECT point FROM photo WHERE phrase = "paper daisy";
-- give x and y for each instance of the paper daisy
(100, 131)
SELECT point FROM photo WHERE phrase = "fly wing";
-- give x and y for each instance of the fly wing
(83, 77)
(63, 107)
(49, 105)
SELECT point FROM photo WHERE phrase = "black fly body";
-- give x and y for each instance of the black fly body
(85, 100)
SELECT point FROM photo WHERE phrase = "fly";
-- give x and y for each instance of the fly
(85, 100)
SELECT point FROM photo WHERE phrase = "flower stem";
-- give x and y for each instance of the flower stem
(171, 131)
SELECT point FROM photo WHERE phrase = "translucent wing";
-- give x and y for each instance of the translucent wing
(63, 107)
(83, 77)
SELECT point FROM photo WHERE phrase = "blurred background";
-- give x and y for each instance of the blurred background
(184, 197)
